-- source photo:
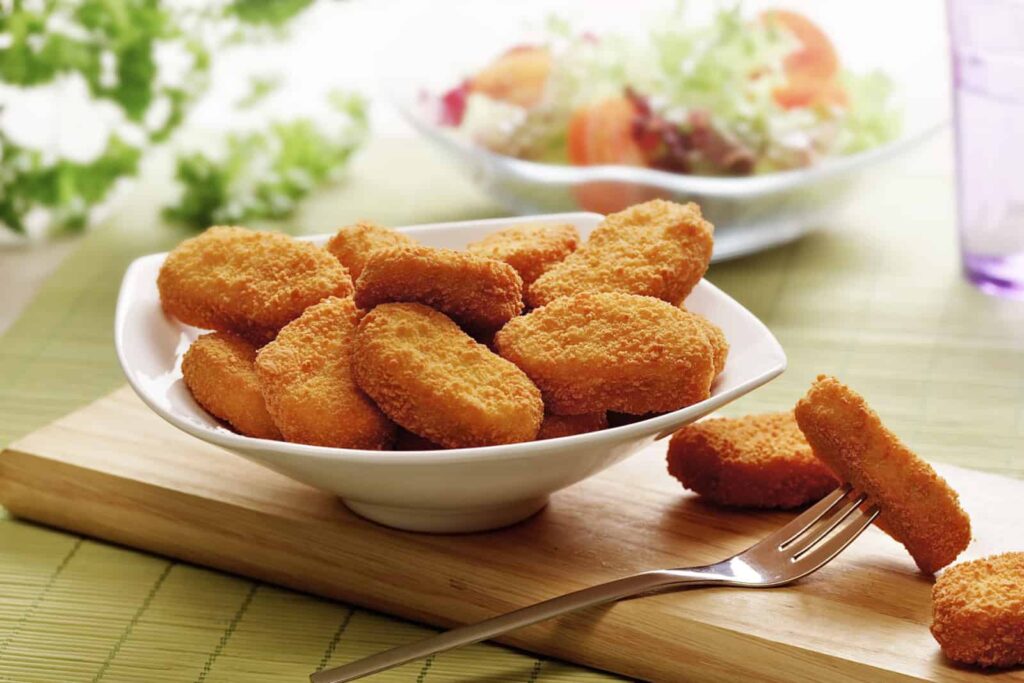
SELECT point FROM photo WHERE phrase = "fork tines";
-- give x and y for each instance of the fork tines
(829, 525)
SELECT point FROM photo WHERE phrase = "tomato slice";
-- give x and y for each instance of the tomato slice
(812, 68)
(603, 133)
(517, 77)
(576, 138)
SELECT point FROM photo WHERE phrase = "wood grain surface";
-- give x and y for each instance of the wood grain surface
(115, 471)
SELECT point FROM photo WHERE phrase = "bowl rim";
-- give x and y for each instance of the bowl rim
(659, 425)
(727, 187)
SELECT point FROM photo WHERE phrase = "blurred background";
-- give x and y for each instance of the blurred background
(304, 115)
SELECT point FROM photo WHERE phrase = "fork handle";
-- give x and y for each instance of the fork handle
(496, 626)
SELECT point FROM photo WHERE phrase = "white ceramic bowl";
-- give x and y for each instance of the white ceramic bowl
(439, 491)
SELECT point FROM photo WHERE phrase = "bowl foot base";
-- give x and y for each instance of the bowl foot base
(460, 520)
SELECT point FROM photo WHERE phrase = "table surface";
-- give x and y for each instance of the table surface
(875, 298)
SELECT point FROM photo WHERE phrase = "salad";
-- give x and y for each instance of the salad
(741, 96)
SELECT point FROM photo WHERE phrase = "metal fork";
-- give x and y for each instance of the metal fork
(794, 551)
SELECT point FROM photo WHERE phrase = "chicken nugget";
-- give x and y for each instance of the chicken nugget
(555, 426)
(657, 248)
(917, 507)
(436, 381)
(978, 611)
(478, 293)
(354, 244)
(531, 248)
(251, 283)
(611, 351)
(306, 377)
(757, 461)
(718, 341)
(218, 370)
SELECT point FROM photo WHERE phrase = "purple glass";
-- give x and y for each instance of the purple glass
(987, 40)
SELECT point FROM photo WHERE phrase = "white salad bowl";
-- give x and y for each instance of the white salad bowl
(750, 213)
(456, 490)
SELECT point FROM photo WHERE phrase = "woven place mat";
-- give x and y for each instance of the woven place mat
(78, 610)
(877, 301)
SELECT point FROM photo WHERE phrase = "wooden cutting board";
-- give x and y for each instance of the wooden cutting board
(115, 471)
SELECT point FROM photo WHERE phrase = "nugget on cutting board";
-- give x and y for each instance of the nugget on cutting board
(917, 507)
(251, 283)
(978, 611)
(531, 248)
(306, 378)
(433, 379)
(218, 370)
(479, 293)
(555, 426)
(354, 244)
(611, 351)
(758, 461)
(657, 248)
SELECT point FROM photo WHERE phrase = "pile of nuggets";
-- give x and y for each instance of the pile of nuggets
(789, 459)
(377, 342)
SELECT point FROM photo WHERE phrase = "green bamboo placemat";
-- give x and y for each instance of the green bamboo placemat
(877, 300)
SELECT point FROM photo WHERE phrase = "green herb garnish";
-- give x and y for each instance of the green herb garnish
(112, 45)
(265, 173)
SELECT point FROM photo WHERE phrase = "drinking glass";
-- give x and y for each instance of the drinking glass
(987, 44)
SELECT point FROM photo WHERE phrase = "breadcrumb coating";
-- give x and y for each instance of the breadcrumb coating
(555, 426)
(611, 351)
(719, 343)
(531, 248)
(978, 611)
(354, 244)
(478, 293)
(917, 507)
(306, 377)
(252, 283)
(757, 461)
(218, 370)
(434, 380)
(657, 248)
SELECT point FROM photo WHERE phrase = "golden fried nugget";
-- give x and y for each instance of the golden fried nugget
(354, 244)
(251, 283)
(306, 377)
(218, 370)
(555, 426)
(978, 611)
(530, 248)
(436, 381)
(657, 248)
(718, 341)
(478, 293)
(758, 461)
(918, 508)
(611, 351)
